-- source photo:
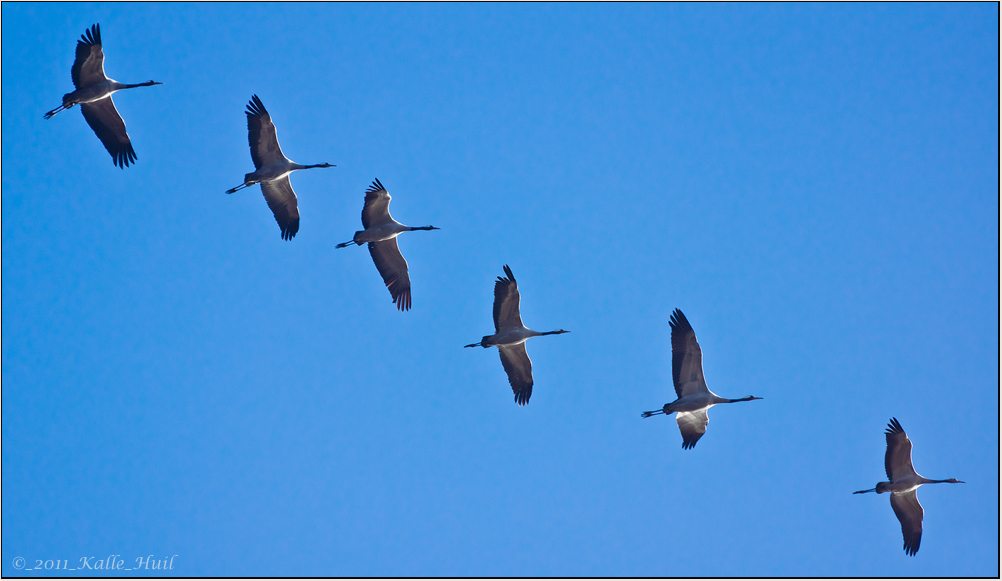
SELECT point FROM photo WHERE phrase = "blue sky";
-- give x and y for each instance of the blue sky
(815, 186)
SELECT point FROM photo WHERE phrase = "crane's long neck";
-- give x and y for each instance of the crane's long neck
(947, 481)
(133, 86)
(297, 166)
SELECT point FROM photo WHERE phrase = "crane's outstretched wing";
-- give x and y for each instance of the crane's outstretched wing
(506, 299)
(376, 210)
(88, 66)
(282, 201)
(908, 510)
(104, 119)
(693, 426)
(393, 268)
(518, 366)
(898, 458)
(262, 135)
(686, 358)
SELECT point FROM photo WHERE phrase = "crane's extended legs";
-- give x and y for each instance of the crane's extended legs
(52, 113)
(238, 188)
(653, 413)
(862, 491)
(348, 243)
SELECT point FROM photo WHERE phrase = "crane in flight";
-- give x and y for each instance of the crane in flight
(380, 232)
(93, 94)
(510, 335)
(903, 485)
(694, 398)
(272, 169)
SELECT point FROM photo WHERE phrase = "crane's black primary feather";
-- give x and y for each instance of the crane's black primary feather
(692, 425)
(283, 204)
(392, 268)
(376, 210)
(261, 134)
(375, 187)
(255, 107)
(109, 127)
(506, 302)
(899, 451)
(909, 512)
(518, 366)
(894, 427)
(90, 38)
(686, 356)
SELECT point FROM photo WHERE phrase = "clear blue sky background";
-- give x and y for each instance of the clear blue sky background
(815, 186)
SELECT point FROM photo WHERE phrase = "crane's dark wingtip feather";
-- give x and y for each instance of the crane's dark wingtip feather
(894, 427)
(255, 107)
(689, 442)
(91, 36)
(123, 157)
(507, 271)
(375, 187)
(403, 300)
(290, 230)
(678, 319)
(522, 397)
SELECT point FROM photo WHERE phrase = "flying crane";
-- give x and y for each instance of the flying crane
(93, 94)
(694, 398)
(272, 169)
(510, 335)
(903, 485)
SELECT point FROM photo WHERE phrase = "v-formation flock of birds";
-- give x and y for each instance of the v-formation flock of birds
(271, 170)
